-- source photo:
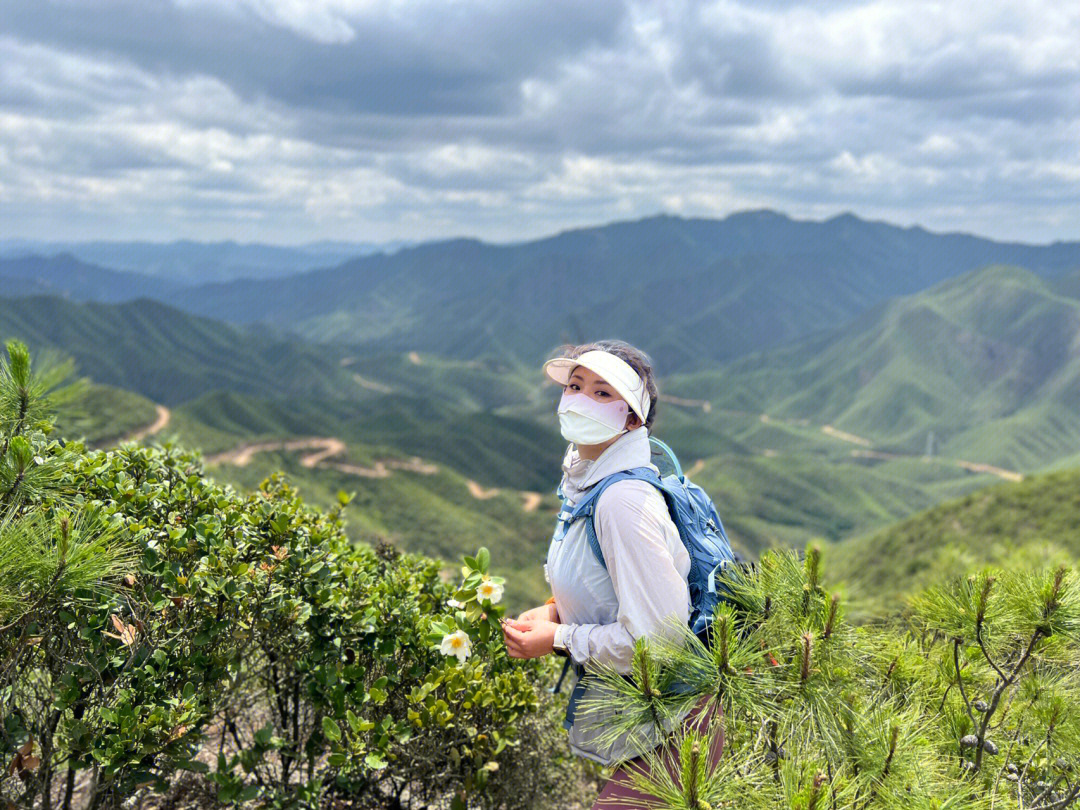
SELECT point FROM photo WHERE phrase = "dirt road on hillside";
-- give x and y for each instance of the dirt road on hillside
(972, 466)
(529, 500)
(158, 425)
(695, 468)
(326, 447)
(843, 436)
(704, 404)
(241, 456)
(869, 452)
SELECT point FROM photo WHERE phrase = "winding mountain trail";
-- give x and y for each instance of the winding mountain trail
(158, 425)
(851, 438)
(529, 500)
(844, 436)
(695, 468)
(326, 447)
(372, 385)
(972, 466)
(241, 456)
(479, 492)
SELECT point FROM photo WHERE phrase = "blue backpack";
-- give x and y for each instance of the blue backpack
(700, 530)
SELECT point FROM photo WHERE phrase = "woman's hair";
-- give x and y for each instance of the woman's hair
(638, 360)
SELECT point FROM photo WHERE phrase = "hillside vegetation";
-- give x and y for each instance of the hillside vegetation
(1033, 522)
(171, 356)
(824, 437)
(988, 362)
(169, 640)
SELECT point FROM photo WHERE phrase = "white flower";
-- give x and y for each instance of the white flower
(454, 603)
(490, 591)
(456, 643)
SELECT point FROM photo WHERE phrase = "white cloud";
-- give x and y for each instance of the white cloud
(376, 119)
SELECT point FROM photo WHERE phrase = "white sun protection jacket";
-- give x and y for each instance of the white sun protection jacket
(602, 612)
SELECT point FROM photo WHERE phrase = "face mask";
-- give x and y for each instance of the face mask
(584, 420)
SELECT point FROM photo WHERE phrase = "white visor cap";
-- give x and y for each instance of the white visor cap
(616, 372)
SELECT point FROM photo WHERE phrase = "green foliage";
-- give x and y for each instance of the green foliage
(971, 705)
(1027, 524)
(156, 623)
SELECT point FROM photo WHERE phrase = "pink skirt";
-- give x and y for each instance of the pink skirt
(619, 787)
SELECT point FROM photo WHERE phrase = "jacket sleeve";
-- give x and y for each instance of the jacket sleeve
(634, 528)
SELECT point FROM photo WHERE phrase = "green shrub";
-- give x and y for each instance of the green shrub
(156, 624)
(974, 704)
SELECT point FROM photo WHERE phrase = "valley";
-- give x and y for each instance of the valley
(828, 430)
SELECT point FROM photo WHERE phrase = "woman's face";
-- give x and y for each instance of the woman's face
(583, 380)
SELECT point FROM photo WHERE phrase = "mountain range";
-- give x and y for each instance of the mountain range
(188, 262)
(819, 379)
(694, 293)
(66, 276)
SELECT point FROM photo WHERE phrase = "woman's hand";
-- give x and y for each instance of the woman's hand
(530, 638)
(546, 612)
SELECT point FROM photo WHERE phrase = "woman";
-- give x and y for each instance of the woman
(596, 613)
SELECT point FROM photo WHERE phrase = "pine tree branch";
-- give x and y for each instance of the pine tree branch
(985, 652)
(1066, 800)
(960, 680)
(996, 699)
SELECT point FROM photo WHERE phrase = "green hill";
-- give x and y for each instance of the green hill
(486, 425)
(987, 362)
(105, 415)
(1036, 521)
(171, 356)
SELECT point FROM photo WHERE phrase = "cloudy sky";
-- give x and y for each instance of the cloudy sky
(295, 120)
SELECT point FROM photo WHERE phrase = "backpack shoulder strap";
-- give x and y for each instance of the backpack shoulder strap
(586, 508)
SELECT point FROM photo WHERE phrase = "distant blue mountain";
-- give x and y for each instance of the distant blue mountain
(200, 262)
(68, 277)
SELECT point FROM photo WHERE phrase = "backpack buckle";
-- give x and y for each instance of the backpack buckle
(562, 526)
(712, 575)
